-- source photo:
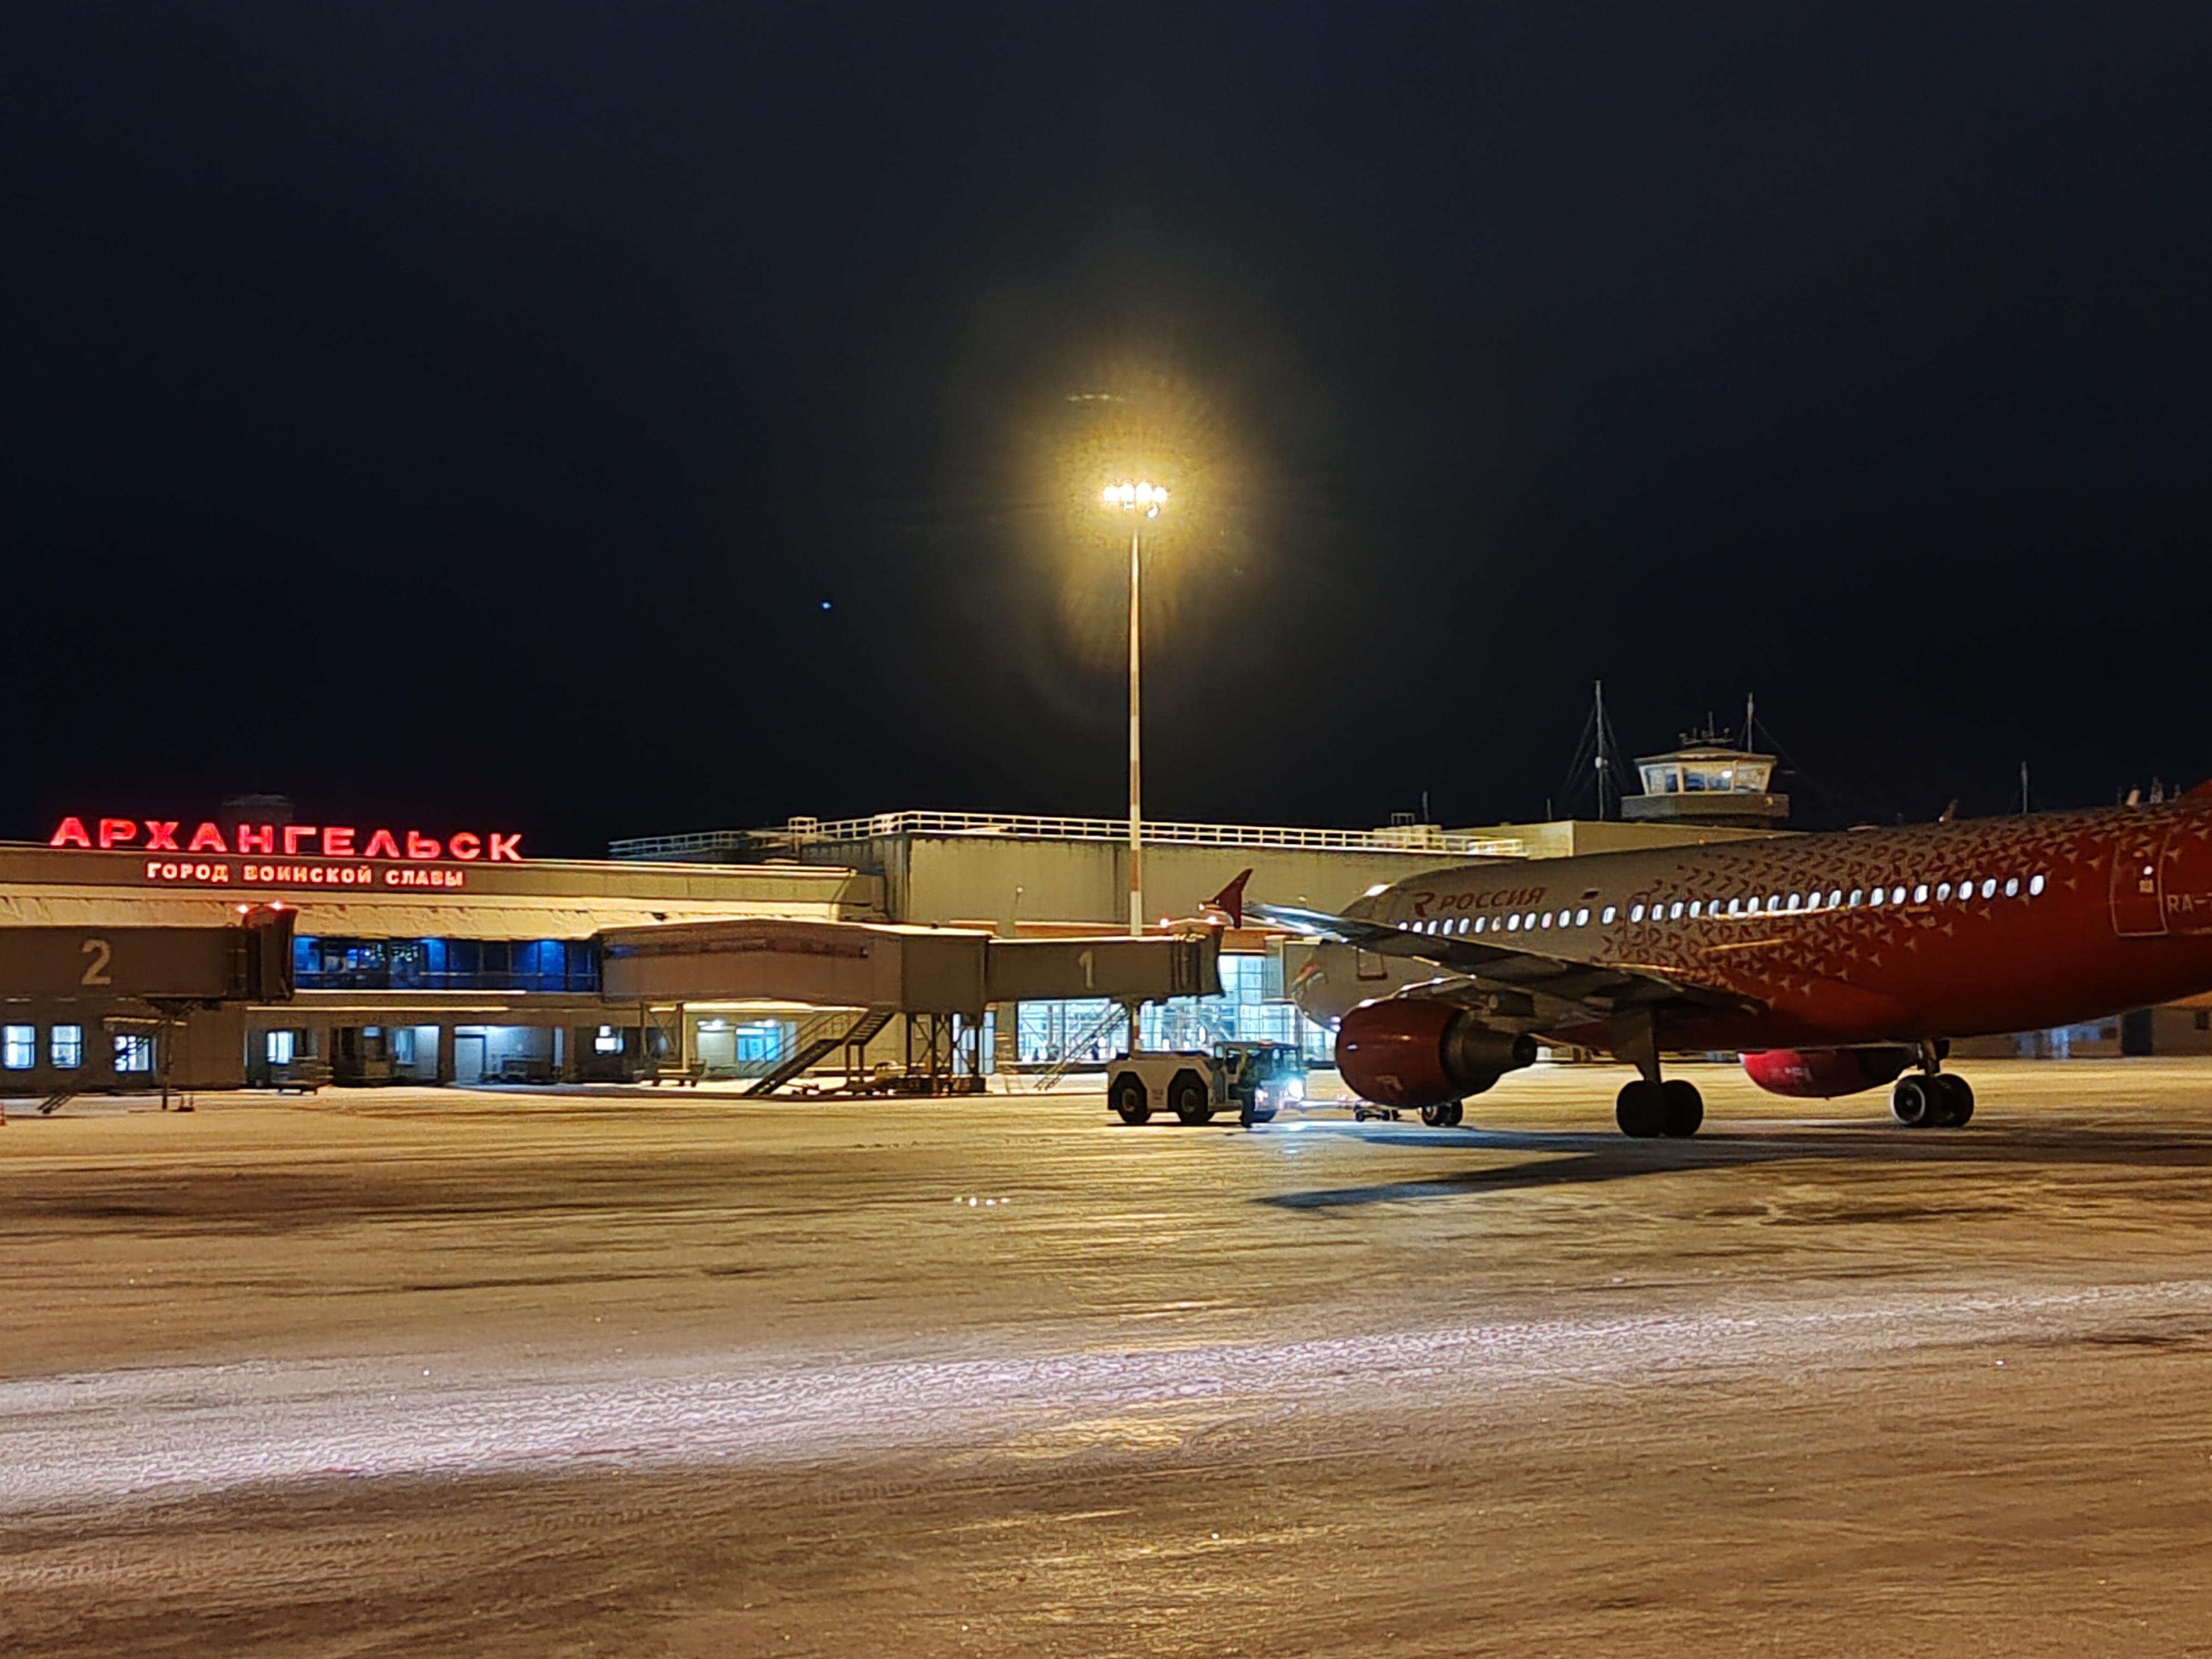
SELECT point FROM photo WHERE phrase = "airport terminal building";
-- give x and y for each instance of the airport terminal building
(460, 958)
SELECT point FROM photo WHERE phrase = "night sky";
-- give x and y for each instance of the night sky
(612, 421)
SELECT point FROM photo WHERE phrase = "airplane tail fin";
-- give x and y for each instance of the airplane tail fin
(1229, 901)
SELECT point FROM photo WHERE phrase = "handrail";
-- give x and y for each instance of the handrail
(809, 832)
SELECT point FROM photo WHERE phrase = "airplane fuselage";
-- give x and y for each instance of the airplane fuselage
(1865, 936)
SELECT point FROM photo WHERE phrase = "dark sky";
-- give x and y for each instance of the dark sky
(461, 414)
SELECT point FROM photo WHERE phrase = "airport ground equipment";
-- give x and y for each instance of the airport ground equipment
(1256, 1078)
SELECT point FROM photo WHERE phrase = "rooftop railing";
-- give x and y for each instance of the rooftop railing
(813, 832)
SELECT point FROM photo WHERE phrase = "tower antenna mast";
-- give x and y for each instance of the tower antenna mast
(1604, 761)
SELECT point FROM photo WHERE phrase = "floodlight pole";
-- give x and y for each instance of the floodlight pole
(1136, 743)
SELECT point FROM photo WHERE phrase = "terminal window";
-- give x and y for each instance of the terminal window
(280, 1047)
(134, 1052)
(19, 1047)
(67, 1048)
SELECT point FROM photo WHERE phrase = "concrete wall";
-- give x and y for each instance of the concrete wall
(934, 880)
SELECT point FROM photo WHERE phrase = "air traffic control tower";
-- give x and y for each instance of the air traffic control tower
(1707, 781)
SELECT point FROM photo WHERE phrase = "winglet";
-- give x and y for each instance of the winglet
(1229, 901)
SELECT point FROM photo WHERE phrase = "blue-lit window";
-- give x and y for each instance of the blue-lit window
(134, 1052)
(442, 964)
(66, 1048)
(19, 1047)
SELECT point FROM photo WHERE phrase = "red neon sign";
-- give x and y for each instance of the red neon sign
(292, 840)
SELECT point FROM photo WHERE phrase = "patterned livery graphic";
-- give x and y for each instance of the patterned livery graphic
(1823, 942)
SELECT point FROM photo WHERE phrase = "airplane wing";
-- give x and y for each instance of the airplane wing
(1603, 988)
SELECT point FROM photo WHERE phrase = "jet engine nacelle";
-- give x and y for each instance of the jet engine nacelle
(1416, 1051)
(1824, 1074)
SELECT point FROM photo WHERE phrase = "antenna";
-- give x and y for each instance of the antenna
(2023, 789)
(1750, 719)
(1604, 768)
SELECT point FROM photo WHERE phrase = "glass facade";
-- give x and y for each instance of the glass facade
(1251, 1008)
(330, 963)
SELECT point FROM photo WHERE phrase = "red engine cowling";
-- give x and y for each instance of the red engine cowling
(1415, 1051)
(1824, 1074)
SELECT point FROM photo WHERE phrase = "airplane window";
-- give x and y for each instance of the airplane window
(1774, 900)
(1752, 906)
(1675, 911)
(1528, 920)
(1512, 924)
(1479, 921)
(2012, 887)
(2035, 886)
(1582, 918)
(1920, 894)
(1880, 896)
(1547, 918)
(1942, 891)
(1835, 897)
(1736, 906)
(1857, 894)
(1897, 895)
(1966, 891)
(1636, 913)
(1610, 912)
(1566, 918)
(1694, 910)
(1793, 901)
(1988, 886)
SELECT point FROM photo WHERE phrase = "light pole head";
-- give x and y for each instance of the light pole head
(1145, 498)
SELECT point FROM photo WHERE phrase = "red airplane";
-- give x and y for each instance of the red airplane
(1831, 963)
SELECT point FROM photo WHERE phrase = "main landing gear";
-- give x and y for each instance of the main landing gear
(1647, 1109)
(1934, 1099)
(1445, 1116)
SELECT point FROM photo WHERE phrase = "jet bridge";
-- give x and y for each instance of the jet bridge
(939, 980)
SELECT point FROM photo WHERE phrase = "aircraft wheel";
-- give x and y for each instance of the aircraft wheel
(1682, 1107)
(1453, 1113)
(1433, 1116)
(1131, 1101)
(1188, 1096)
(1641, 1109)
(1918, 1102)
(1958, 1100)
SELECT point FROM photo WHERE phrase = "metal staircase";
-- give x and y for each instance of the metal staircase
(1075, 1049)
(816, 1041)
